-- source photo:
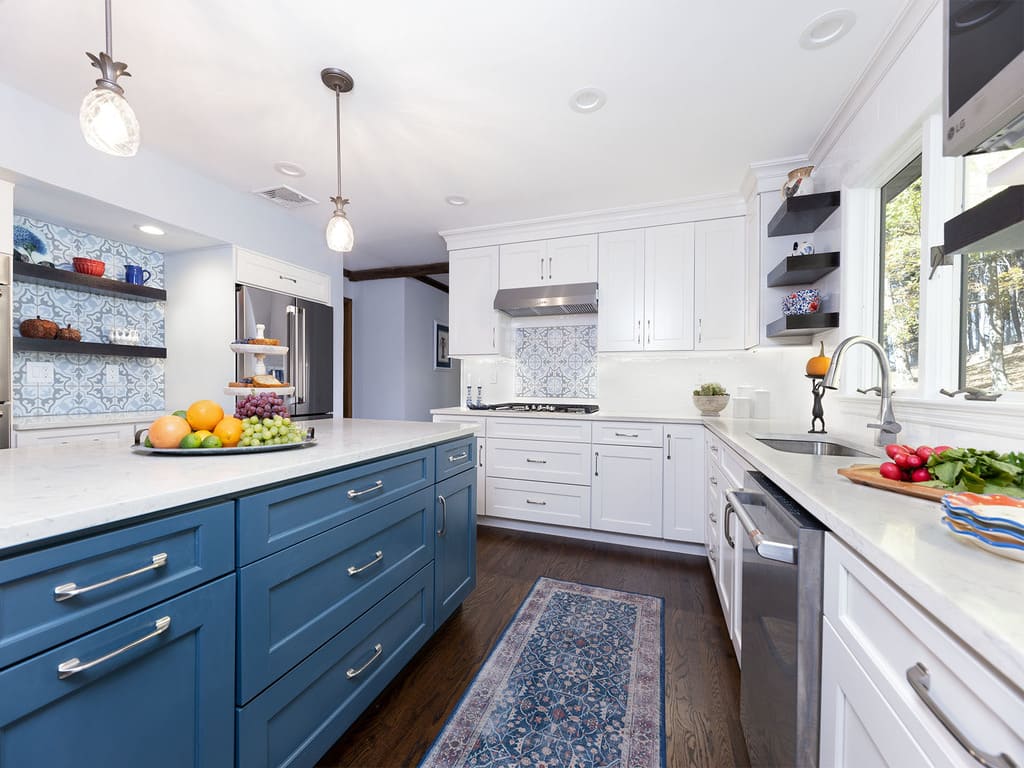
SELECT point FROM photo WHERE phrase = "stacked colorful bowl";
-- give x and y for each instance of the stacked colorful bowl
(990, 521)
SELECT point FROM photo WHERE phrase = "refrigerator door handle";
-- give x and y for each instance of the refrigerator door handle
(293, 331)
(303, 394)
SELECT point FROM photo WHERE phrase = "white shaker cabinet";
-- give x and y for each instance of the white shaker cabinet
(522, 265)
(475, 327)
(720, 304)
(668, 287)
(559, 261)
(627, 490)
(620, 270)
(683, 498)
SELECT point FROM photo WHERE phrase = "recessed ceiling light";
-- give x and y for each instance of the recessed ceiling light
(456, 200)
(289, 169)
(150, 229)
(588, 100)
(827, 28)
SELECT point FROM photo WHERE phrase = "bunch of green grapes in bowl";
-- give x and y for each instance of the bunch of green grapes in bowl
(276, 430)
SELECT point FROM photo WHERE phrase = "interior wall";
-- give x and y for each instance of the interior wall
(425, 386)
(378, 350)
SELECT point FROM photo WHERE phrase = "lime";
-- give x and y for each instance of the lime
(182, 414)
(191, 440)
(148, 443)
(212, 441)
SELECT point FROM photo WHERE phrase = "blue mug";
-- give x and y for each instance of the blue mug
(136, 275)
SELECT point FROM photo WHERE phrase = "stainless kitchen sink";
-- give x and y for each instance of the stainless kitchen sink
(809, 445)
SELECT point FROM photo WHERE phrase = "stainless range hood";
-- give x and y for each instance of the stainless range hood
(574, 299)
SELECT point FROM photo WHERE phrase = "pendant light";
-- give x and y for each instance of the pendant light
(340, 236)
(108, 120)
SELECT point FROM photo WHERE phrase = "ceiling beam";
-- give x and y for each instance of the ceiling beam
(432, 283)
(387, 273)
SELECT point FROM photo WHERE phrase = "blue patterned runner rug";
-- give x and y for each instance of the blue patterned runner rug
(576, 681)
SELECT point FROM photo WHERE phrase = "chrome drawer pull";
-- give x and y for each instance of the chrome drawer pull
(536, 461)
(351, 672)
(713, 480)
(74, 666)
(627, 434)
(714, 449)
(920, 681)
(66, 591)
(375, 487)
(712, 517)
(377, 557)
(538, 503)
(444, 515)
(458, 457)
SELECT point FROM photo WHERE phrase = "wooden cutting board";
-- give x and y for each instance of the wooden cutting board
(867, 474)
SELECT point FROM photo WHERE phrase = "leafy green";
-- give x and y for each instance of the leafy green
(967, 469)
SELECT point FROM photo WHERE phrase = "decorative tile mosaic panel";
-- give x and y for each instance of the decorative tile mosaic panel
(556, 361)
(78, 380)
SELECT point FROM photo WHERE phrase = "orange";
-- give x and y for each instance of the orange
(167, 431)
(204, 414)
(229, 430)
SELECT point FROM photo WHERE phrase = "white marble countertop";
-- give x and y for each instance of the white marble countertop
(83, 420)
(978, 596)
(53, 491)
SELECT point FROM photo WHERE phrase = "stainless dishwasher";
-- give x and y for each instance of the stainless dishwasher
(781, 547)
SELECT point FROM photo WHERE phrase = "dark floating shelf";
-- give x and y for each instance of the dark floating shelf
(803, 213)
(802, 325)
(800, 270)
(996, 224)
(21, 344)
(61, 278)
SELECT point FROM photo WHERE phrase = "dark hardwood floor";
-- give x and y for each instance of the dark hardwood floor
(701, 674)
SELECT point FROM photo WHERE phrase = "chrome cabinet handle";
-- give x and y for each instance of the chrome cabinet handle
(541, 267)
(713, 553)
(73, 666)
(444, 515)
(669, 439)
(712, 516)
(637, 331)
(458, 457)
(289, 279)
(648, 330)
(596, 455)
(920, 681)
(353, 494)
(714, 449)
(769, 550)
(536, 461)
(725, 525)
(377, 557)
(538, 503)
(493, 344)
(480, 456)
(627, 434)
(550, 259)
(713, 480)
(351, 672)
(66, 591)
(700, 331)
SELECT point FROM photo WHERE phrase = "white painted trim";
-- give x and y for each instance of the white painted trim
(700, 208)
(599, 536)
(885, 55)
(997, 419)
(769, 175)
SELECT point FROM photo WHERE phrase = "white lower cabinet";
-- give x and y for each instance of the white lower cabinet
(539, 460)
(535, 502)
(627, 487)
(683, 513)
(117, 434)
(894, 679)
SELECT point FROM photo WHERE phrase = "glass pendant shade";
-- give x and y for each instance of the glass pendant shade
(109, 123)
(340, 236)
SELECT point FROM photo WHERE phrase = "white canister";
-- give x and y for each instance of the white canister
(741, 407)
(745, 390)
(762, 404)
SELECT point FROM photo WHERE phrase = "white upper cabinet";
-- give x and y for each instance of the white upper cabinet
(261, 271)
(719, 298)
(668, 287)
(548, 262)
(620, 270)
(475, 327)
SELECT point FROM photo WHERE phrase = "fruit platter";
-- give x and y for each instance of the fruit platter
(260, 423)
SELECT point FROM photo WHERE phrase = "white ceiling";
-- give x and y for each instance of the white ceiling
(457, 97)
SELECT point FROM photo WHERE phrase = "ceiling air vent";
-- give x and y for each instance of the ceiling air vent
(286, 197)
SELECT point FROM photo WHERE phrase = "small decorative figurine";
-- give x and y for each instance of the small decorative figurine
(798, 182)
(816, 369)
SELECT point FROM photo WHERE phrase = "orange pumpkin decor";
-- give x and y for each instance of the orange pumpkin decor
(818, 365)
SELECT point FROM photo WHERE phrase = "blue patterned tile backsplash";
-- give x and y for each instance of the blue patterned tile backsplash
(79, 380)
(556, 361)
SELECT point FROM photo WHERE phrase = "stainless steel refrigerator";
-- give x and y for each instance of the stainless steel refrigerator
(307, 328)
(6, 333)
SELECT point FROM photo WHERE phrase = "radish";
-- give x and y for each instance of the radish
(925, 451)
(921, 475)
(893, 450)
(890, 471)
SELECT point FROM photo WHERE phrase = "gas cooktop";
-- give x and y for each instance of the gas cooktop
(539, 407)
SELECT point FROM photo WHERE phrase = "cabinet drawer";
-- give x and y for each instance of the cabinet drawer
(166, 702)
(124, 569)
(889, 635)
(454, 457)
(536, 460)
(327, 692)
(98, 435)
(529, 428)
(292, 602)
(552, 503)
(275, 519)
(628, 433)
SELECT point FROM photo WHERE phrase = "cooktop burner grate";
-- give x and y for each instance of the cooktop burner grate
(543, 407)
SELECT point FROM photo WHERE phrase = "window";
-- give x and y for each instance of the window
(992, 297)
(900, 271)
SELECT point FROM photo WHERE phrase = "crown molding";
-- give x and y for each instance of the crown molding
(769, 175)
(886, 54)
(699, 208)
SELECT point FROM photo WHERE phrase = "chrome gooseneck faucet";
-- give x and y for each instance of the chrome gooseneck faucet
(888, 427)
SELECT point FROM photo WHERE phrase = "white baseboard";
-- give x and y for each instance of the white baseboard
(589, 535)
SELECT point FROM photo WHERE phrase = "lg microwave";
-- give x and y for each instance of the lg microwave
(983, 82)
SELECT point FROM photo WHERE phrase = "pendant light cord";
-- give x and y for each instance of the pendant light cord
(110, 34)
(337, 118)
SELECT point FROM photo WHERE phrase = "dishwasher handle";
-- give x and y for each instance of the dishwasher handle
(769, 550)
